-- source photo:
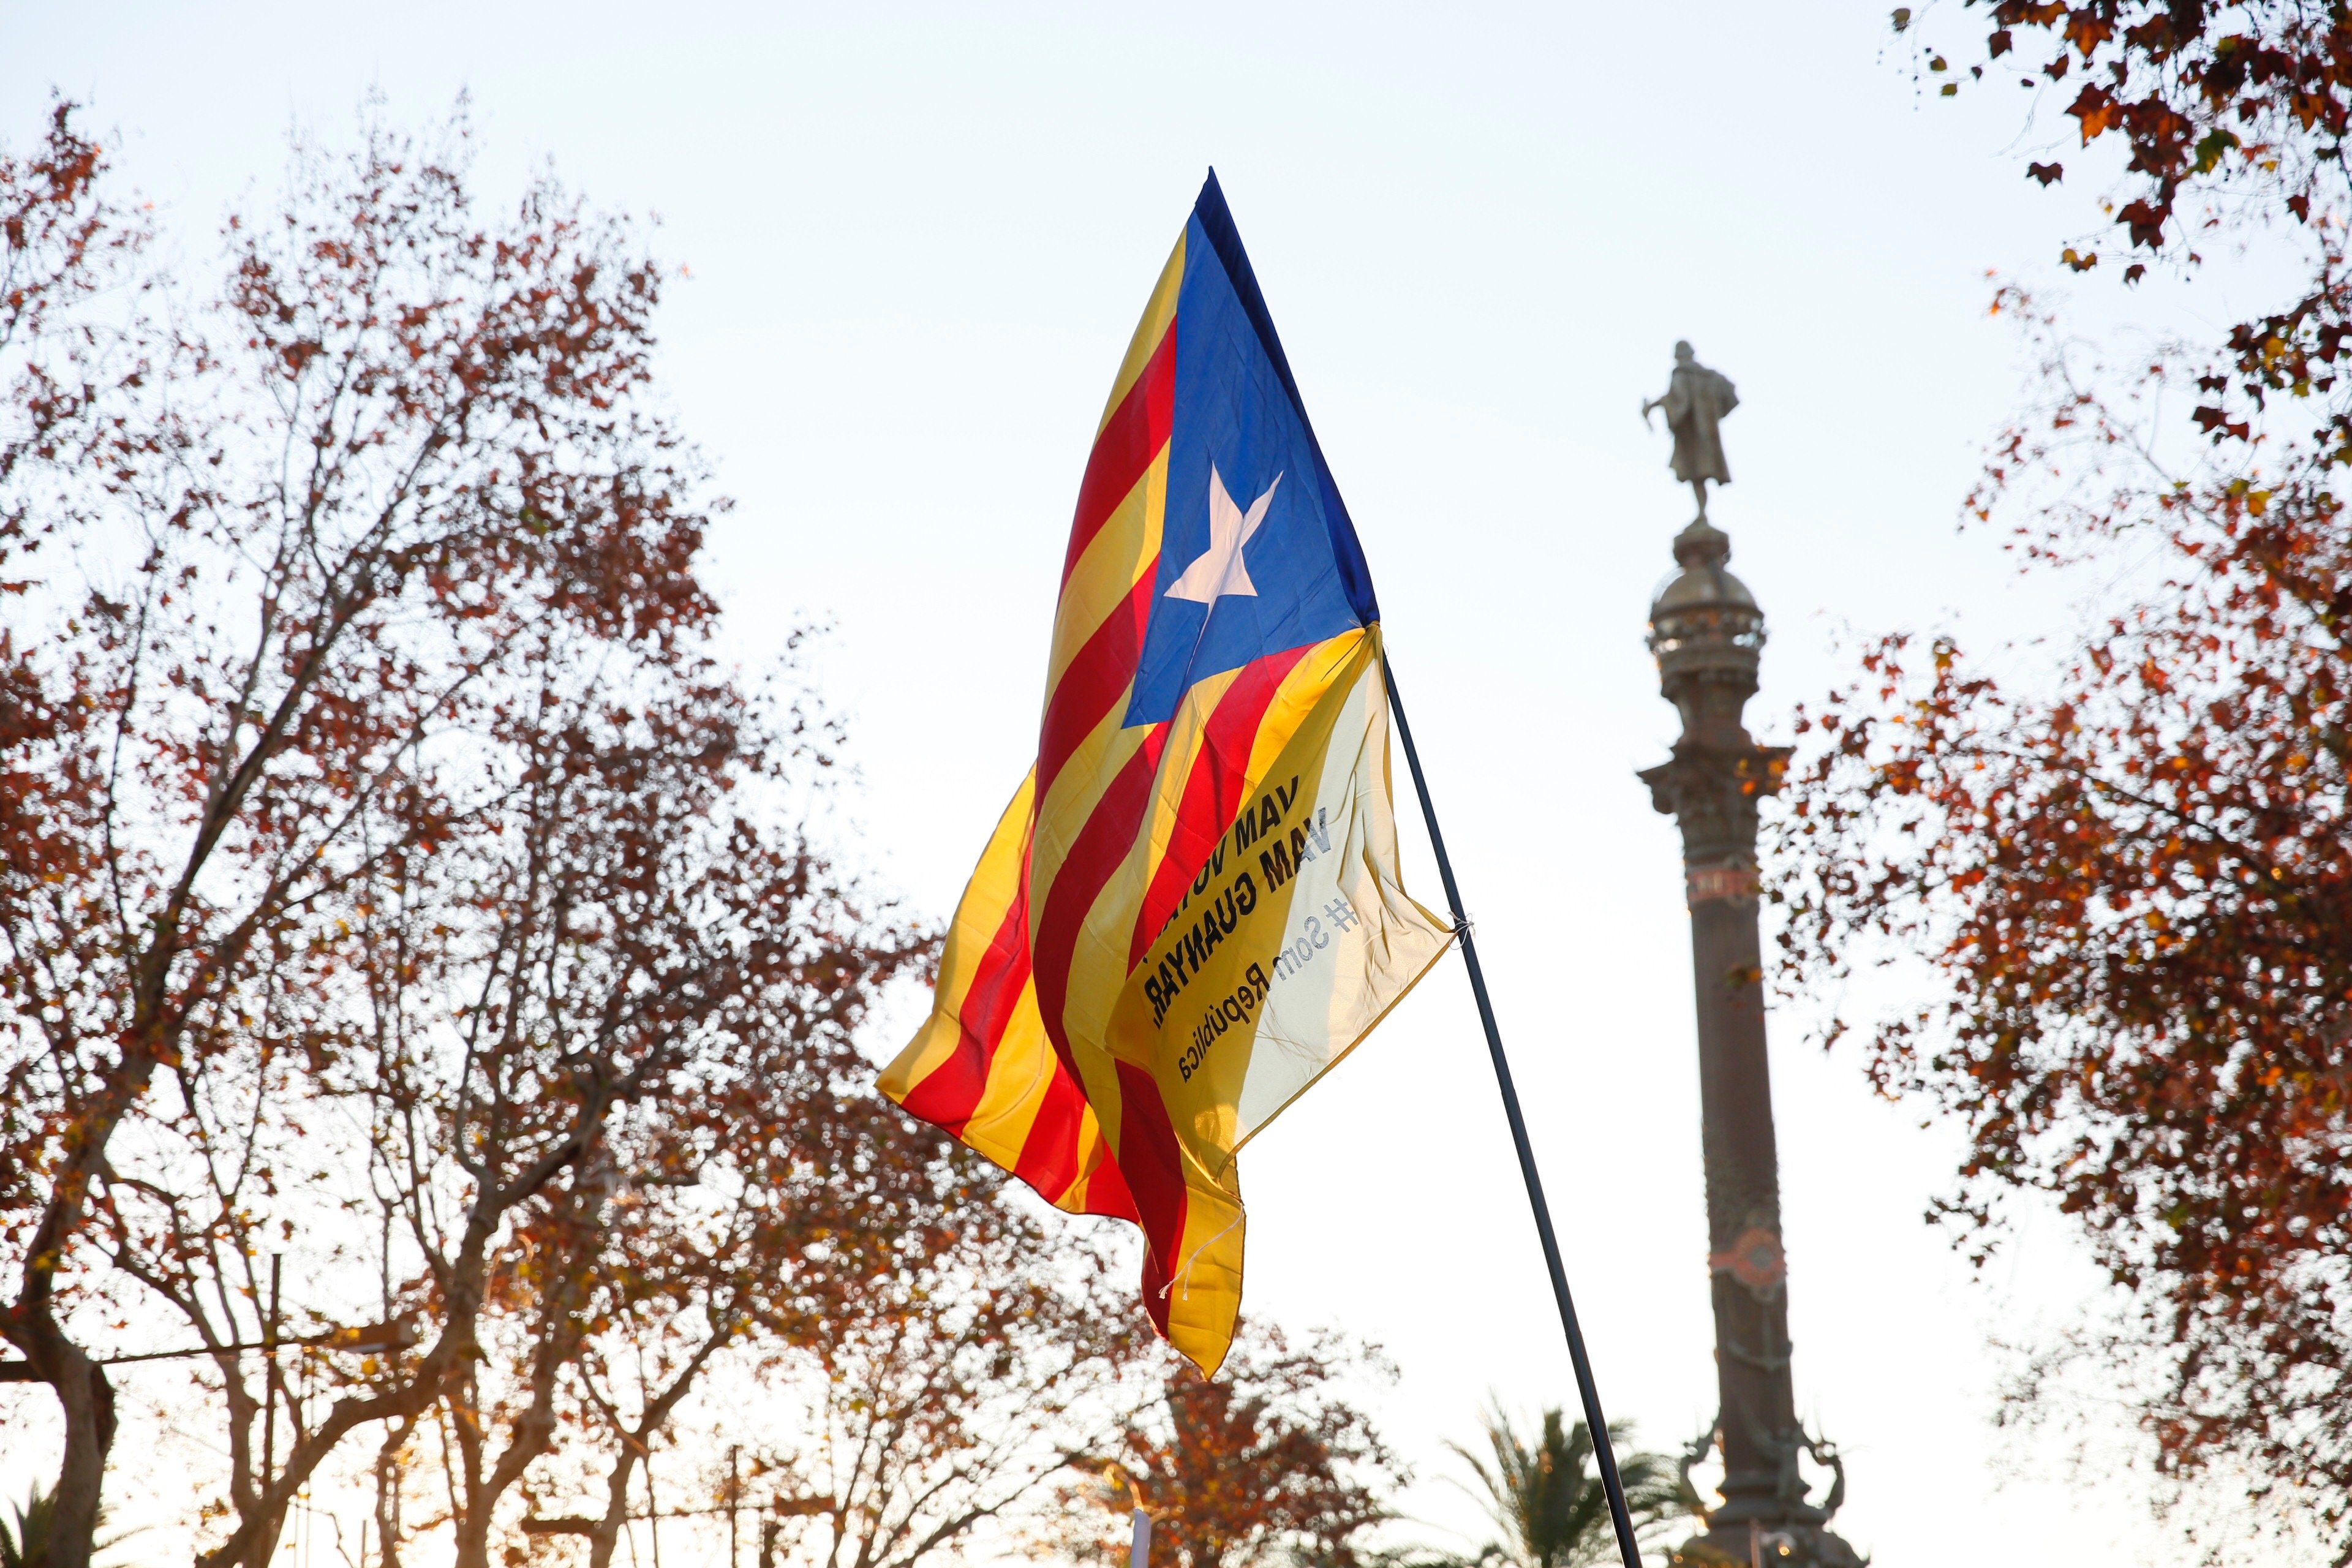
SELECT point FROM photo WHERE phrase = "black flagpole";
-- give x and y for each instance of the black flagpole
(1594, 1422)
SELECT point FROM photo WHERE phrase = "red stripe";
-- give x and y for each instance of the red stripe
(1048, 1161)
(1094, 681)
(1106, 1190)
(951, 1091)
(1212, 791)
(1155, 1173)
(1136, 431)
(1094, 854)
(1049, 1154)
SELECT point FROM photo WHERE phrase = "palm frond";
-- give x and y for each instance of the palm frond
(24, 1535)
(1544, 1494)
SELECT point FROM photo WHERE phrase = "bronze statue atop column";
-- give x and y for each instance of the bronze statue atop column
(1707, 633)
(1697, 400)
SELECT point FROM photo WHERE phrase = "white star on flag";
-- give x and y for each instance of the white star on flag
(1219, 570)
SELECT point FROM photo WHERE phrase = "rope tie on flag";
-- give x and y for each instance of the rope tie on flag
(1183, 1274)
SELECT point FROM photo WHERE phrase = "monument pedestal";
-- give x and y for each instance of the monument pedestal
(1756, 1546)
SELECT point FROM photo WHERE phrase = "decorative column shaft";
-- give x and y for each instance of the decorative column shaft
(1707, 633)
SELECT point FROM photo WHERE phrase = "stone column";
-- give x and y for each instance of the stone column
(1707, 633)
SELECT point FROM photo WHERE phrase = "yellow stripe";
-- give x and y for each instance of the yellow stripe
(1101, 960)
(1115, 559)
(1308, 684)
(1077, 791)
(1095, 1151)
(1205, 1293)
(1018, 1075)
(1102, 957)
(1100, 965)
(980, 915)
(1186, 732)
(1156, 315)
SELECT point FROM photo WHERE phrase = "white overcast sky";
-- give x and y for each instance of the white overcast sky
(918, 237)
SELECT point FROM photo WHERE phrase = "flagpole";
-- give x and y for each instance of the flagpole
(1594, 1422)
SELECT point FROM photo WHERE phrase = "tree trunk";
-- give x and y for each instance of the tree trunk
(387, 1508)
(474, 1540)
(86, 1399)
(608, 1535)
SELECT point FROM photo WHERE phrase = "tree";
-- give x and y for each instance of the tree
(379, 837)
(63, 245)
(2233, 121)
(2133, 879)
(2136, 885)
(622, 1053)
(728, 1279)
(1266, 1463)
(1546, 1497)
(949, 1394)
(2228, 114)
(2128, 872)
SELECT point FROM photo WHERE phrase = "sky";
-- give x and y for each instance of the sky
(912, 241)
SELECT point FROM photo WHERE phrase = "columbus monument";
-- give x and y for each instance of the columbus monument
(1707, 633)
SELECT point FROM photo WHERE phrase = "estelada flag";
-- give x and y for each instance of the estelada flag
(1191, 908)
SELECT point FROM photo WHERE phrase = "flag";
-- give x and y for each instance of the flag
(1191, 909)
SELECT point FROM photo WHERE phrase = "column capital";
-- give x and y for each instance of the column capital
(1713, 791)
